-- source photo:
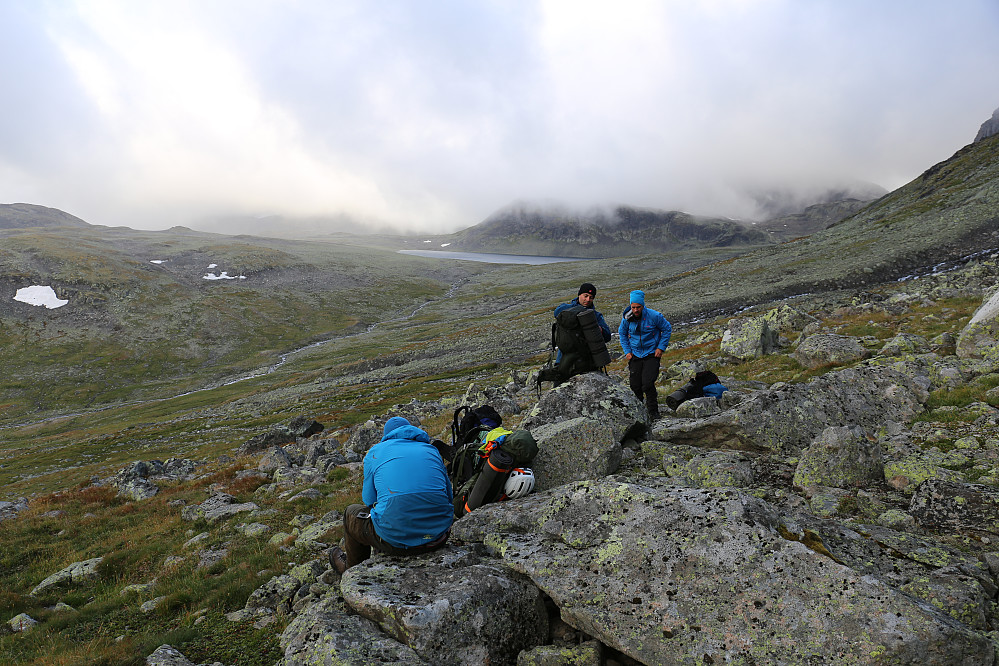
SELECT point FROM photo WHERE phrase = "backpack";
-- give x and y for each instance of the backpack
(578, 337)
(489, 459)
(466, 426)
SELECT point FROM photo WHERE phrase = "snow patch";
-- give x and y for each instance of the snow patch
(157, 261)
(224, 275)
(39, 295)
(444, 244)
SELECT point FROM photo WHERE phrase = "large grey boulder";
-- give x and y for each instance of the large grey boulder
(574, 450)
(449, 606)
(905, 344)
(671, 575)
(841, 457)
(10, 510)
(77, 573)
(829, 349)
(952, 505)
(328, 634)
(787, 418)
(980, 337)
(746, 339)
(593, 395)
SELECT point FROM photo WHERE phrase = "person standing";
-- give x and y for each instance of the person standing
(644, 335)
(408, 502)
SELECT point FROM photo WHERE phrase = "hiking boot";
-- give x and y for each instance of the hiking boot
(338, 559)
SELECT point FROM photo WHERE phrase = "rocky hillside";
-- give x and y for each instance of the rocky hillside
(839, 504)
(623, 231)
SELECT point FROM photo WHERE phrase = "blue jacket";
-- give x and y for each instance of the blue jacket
(643, 337)
(407, 487)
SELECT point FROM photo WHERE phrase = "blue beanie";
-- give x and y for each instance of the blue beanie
(394, 423)
(638, 296)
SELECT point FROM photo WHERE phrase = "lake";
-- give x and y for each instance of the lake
(490, 258)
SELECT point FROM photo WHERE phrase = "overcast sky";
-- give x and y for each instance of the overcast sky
(433, 114)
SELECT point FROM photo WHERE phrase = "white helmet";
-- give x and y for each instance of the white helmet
(519, 483)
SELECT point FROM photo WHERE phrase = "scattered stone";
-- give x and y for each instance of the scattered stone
(10, 510)
(980, 337)
(308, 494)
(152, 604)
(77, 573)
(21, 623)
(274, 458)
(746, 339)
(252, 529)
(217, 507)
(829, 349)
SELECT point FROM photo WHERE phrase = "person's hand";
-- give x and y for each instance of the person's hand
(659, 353)
(628, 356)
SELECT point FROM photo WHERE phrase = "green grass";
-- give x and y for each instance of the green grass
(135, 539)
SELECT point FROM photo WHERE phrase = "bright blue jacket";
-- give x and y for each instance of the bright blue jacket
(643, 337)
(407, 487)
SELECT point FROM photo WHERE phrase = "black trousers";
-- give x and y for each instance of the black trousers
(643, 375)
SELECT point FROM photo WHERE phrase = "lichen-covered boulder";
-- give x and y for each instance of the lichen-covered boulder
(905, 344)
(217, 507)
(328, 634)
(449, 606)
(593, 395)
(574, 451)
(829, 349)
(841, 457)
(77, 573)
(785, 319)
(274, 458)
(980, 337)
(662, 573)
(746, 339)
(947, 504)
(715, 469)
(788, 418)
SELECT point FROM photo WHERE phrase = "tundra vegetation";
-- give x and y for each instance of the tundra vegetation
(140, 367)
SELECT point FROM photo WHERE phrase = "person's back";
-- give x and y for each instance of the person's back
(407, 486)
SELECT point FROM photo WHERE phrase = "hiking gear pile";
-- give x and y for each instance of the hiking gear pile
(704, 383)
(484, 455)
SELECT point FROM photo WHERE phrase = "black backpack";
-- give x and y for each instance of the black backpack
(466, 426)
(577, 335)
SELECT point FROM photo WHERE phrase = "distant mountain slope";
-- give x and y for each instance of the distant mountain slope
(621, 232)
(814, 218)
(22, 216)
(949, 212)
